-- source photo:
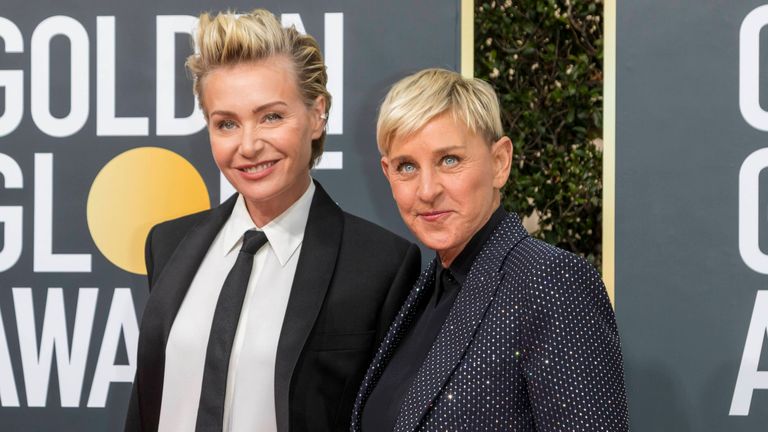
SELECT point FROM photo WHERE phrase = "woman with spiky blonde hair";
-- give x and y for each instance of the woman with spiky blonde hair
(502, 332)
(263, 312)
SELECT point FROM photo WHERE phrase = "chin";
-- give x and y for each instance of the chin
(259, 195)
(435, 243)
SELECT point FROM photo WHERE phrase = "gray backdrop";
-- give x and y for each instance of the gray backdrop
(685, 296)
(382, 42)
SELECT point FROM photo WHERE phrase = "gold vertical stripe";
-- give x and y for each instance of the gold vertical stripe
(609, 124)
(609, 148)
(467, 38)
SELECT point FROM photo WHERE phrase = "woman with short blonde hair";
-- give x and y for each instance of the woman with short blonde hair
(502, 332)
(228, 39)
(264, 311)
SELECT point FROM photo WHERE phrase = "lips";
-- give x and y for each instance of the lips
(257, 171)
(434, 216)
(259, 167)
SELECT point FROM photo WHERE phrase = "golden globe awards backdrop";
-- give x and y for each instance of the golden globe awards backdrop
(692, 213)
(100, 138)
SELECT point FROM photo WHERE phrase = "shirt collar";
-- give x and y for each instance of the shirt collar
(285, 233)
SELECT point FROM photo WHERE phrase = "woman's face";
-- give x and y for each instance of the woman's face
(446, 180)
(261, 132)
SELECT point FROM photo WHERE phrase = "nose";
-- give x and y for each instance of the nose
(429, 186)
(251, 142)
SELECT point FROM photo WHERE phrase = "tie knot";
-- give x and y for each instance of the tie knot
(253, 240)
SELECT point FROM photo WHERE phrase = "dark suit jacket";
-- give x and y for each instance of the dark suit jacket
(530, 344)
(350, 279)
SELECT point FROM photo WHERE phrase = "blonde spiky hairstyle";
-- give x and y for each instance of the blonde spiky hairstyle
(229, 38)
(416, 99)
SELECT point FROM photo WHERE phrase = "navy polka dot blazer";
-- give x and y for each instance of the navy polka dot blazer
(530, 344)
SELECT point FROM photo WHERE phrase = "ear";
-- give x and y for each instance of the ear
(501, 152)
(317, 113)
(385, 166)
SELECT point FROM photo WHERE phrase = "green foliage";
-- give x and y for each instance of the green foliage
(544, 58)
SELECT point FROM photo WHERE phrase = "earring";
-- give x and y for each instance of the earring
(324, 116)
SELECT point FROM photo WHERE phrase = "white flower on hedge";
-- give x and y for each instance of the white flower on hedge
(494, 73)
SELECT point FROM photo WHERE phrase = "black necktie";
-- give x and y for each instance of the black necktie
(210, 412)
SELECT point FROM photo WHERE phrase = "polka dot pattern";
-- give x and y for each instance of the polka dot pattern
(531, 344)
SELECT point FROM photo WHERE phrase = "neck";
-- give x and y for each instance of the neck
(446, 257)
(264, 212)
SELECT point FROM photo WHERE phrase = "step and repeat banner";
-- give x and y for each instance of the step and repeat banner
(692, 213)
(100, 138)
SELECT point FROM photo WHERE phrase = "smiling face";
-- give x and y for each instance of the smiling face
(446, 182)
(261, 132)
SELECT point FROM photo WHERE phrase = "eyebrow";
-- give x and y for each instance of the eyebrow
(398, 160)
(439, 151)
(267, 106)
(448, 149)
(258, 109)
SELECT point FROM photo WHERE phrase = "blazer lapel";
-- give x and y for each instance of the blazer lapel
(164, 301)
(462, 324)
(395, 334)
(317, 261)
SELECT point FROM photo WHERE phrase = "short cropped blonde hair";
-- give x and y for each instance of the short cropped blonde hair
(416, 99)
(228, 39)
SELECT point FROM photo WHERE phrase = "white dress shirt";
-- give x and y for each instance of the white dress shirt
(250, 396)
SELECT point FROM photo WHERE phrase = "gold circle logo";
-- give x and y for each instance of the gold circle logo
(134, 191)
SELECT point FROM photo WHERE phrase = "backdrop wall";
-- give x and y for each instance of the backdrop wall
(100, 139)
(692, 213)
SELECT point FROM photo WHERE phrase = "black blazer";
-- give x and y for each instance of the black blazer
(350, 280)
(530, 344)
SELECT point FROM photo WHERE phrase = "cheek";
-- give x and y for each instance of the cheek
(402, 194)
(297, 143)
(477, 182)
(219, 149)
(223, 151)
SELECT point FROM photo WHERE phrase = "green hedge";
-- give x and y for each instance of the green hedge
(544, 58)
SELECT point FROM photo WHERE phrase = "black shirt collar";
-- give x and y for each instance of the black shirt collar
(460, 266)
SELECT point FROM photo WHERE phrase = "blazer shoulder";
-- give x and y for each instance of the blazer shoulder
(555, 277)
(180, 226)
(540, 255)
(165, 237)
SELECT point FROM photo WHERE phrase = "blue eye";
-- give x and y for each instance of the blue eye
(272, 117)
(406, 168)
(226, 124)
(450, 160)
